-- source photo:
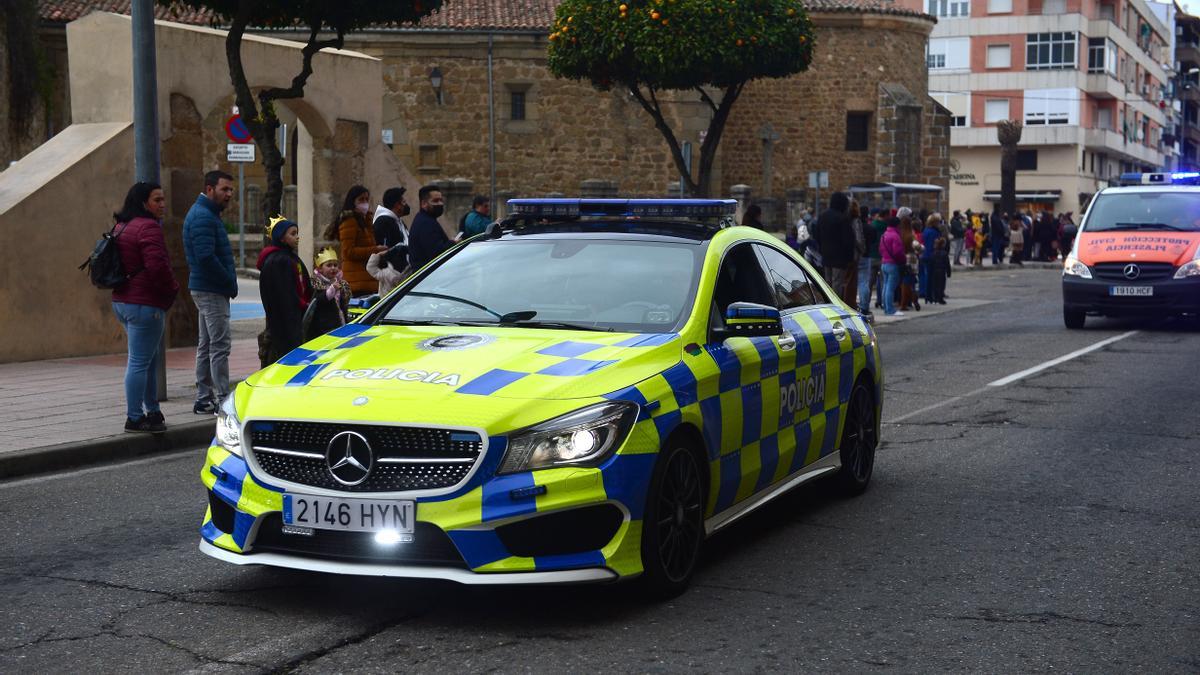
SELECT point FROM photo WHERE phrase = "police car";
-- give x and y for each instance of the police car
(581, 394)
(1137, 252)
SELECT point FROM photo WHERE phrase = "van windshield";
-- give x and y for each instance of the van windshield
(1167, 211)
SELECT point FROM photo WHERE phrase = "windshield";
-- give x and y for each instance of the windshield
(1169, 211)
(591, 284)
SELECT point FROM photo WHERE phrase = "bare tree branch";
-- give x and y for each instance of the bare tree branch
(651, 105)
(707, 99)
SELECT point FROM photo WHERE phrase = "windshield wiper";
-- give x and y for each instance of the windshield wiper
(1146, 226)
(416, 322)
(454, 298)
(563, 325)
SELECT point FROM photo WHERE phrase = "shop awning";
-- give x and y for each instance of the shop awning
(1042, 196)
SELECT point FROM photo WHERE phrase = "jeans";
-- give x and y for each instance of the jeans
(997, 252)
(212, 351)
(865, 270)
(956, 250)
(144, 329)
(891, 277)
(923, 280)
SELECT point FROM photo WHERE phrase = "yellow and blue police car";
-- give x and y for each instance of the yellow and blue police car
(583, 393)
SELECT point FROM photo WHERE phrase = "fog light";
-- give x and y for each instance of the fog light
(388, 537)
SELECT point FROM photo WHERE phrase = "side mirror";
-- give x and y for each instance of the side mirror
(748, 319)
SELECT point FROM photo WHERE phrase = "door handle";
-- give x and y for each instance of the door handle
(839, 331)
(787, 342)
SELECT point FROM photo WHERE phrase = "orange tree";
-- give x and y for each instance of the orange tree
(711, 47)
(326, 22)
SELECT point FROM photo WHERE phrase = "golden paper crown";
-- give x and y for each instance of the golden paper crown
(273, 222)
(327, 254)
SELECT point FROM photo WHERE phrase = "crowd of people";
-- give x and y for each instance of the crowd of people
(904, 258)
(378, 251)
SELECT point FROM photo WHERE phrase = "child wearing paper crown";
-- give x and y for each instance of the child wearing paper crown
(284, 288)
(331, 296)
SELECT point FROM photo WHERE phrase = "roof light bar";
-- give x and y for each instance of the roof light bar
(626, 208)
(1176, 178)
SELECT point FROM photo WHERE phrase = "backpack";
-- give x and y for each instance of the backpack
(104, 265)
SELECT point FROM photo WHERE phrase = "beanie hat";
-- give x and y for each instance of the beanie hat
(279, 227)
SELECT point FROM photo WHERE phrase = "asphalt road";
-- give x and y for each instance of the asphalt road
(1047, 524)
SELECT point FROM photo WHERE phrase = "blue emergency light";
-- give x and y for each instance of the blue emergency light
(623, 208)
(1175, 178)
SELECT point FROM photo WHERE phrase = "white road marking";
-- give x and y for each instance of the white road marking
(1014, 377)
(1062, 359)
(181, 454)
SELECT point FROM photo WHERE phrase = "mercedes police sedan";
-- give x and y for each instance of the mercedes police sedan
(1137, 252)
(583, 393)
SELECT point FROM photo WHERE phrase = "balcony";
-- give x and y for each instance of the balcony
(1187, 53)
(1103, 86)
(1111, 142)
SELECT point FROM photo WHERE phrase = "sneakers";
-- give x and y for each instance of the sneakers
(205, 407)
(156, 417)
(146, 425)
(895, 313)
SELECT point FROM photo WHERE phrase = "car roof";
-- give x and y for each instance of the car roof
(615, 229)
(1124, 189)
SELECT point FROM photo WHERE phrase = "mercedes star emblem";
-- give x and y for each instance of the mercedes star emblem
(349, 458)
(1132, 271)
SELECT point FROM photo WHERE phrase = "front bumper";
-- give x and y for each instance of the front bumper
(563, 525)
(1171, 296)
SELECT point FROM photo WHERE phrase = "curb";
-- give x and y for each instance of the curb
(1032, 265)
(32, 461)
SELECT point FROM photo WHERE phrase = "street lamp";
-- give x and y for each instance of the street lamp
(435, 78)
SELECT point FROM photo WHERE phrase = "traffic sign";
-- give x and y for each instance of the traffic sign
(236, 130)
(239, 152)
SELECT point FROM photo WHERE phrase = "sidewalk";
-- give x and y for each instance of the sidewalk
(64, 413)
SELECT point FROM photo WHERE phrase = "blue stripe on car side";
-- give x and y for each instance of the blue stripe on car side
(769, 453)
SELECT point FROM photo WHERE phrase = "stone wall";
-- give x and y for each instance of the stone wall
(47, 119)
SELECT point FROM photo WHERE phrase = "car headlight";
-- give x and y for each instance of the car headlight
(583, 437)
(1073, 268)
(229, 427)
(1191, 269)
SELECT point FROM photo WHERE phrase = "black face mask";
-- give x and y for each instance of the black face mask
(406, 210)
(436, 211)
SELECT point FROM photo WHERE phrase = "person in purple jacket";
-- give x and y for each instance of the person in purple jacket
(891, 254)
(141, 303)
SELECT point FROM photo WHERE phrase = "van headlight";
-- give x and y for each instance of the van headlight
(584, 437)
(1073, 268)
(229, 427)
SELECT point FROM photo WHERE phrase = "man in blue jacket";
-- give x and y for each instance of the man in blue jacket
(213, 283)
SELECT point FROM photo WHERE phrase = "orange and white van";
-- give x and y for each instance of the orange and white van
(1137, 253)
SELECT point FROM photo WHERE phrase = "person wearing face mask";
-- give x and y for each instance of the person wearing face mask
(390, 230)
(352, 228)
(427, 240)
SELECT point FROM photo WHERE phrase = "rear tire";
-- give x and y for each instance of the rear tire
(859, 440)
(1074, 319)
(673, 523)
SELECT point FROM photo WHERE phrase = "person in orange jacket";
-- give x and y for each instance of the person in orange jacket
(352, 228)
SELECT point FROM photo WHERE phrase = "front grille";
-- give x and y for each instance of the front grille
(430, 545)
(1146, 271)
(405, 458)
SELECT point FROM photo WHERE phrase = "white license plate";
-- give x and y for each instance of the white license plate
(350, 515)
(1131, 290)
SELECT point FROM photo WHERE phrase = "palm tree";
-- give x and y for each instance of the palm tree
(1008, 132)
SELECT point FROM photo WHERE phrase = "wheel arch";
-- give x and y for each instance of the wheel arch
(690, 436)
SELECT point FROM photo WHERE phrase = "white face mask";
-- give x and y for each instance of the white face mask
(362, 208)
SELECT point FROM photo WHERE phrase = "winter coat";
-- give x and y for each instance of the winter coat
(358, 243)
(285, 291)
(426, 240)
(324, 313)
(390, 232)
(209, 254)
(999, 228)
(144, 256)
(929, 236)
(891, 248)
(939, 263)
(835, 237)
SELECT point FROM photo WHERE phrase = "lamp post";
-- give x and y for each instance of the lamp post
(435, 78)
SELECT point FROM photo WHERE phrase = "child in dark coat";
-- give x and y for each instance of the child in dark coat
(284, 288)
(331, 296)
(939, 271)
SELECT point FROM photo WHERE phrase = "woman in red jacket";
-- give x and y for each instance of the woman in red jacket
(141, 303)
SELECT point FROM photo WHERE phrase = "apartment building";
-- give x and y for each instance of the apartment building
(1187, 90)
(1088, 78)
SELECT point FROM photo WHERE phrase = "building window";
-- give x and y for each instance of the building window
(1095, 55)
(1104, 118)
(1026, 160)
(959, 105)
(949, 53)
(516, 105)
(999, 7)
(1050, 7)
(948, 8)
(935, 61)
(995, 110)
(958, 121)
(1051, 106)
(1047, 51)
(857, 126)
(999, 56)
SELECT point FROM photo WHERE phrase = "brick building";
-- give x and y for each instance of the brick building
(862, 111)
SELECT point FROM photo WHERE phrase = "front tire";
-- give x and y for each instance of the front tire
(673, 524)
(1074, 319)
(859, 440)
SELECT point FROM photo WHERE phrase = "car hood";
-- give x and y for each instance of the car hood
(1144, 246)
(445, 362)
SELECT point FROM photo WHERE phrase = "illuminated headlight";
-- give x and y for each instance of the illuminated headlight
(1191, 269)
(1073, 268)
(584, 437)
(229, 427)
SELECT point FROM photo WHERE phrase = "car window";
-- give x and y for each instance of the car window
(790, 284)
(622, 285)
(740, 279)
